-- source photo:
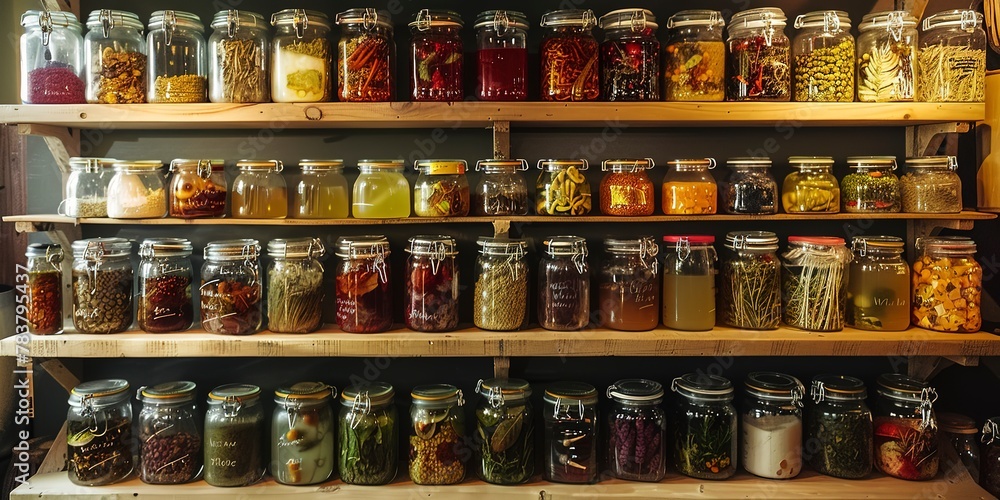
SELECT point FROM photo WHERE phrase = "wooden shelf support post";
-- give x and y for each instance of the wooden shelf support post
(63, 142)
(501, 140)
(501, 367)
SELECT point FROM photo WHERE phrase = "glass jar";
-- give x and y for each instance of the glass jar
(887, 57)
(811, 188)
(235, 433)
(197, 188)
(136, 191)
(839, 430)
(989, 468)
(931, 185)
(169, 434)
(814, 283)
(689, 283)
(824, 57)
(436, 54)
(381, 191)
(115, 52)
(704, 423)
(952, 57)
(689, 188)
(629, 285)
(505, 421)
(102, 285)
(302, 433)
(771, 425)
(961, 432)
(44, 314)
(627, 190)
(259, 191)
(695, 68)
(165, 276)
(878, 285)
(99, 440)
(238, 53)
(571, 424)
(295, 285)
(369, 434)
(569, 56)
(501, 291)
(630, 56)
(564, 284)
(562, 188)
(300, 56)
(502, 54)
(432, 284)
(177, 59)
(760, 61)
(51, 58)
(366, 56)
(437, 434)
(441, 189)
(321, 192)
(87, 188)
(502, 190)
(637, 431)
(231, 288)
(947, 285)
(751, 189)
(751, 286)
(872, 186)
(906, 437)
(364, 284)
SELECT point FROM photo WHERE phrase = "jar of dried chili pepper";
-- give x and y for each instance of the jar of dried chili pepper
(436, 56)
(300, 56)
(165, 277)
(637, 431)
(431, 284)
(906, 431)
(502, 190)
(441, 189)
(44, 288)
(502, 52)
(695, 68)
(626, 189)
(630, 56)
(569, 56)
(231, 287)
(51, 58)
(366, 56)
(364, 284)
(197, 188)
(571, 424)
(760, 56)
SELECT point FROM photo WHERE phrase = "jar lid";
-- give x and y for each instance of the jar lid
(775, 387)
(435, 246)
(645, 246)
(52, 251)
(696, 17)
(108, 19)
(368, 18)
(830, 20)
(502, 246)
(205, 167)
(633, 19)
(440, 167)
(810, 161)
(864, 245)
(304, 392)
(234, 19)
(748, 161)
(499, 390)
(693, 239)
(935, 162)
(426, 19)
(170, 19)
(571, 393)
(752, 240)
(966, 20)
(97, 249)
(900, 387)
(553, 165)
(260, 165)
(627, 164)
(565, 245)
(837, 388)
(387, 164)
(578, 18)
(165, 247)
(765, 17)
(245, 249)
(819, 241)
(892, 20)
(296, 248)
(871, 161)
(137, 166)
(703, 386)
(234, 393)
(636, 390)
(47, 19)
(501, 165)
(90, 164)
(367, 395)
(98, 392)
(693, 163)
(502, 20)
(947, 245)
(300, 19)
(955, 423)
(437, 394)
(320, 166)
(173, 392)
(362, 246)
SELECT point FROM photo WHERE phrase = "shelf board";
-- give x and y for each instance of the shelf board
(474, 114)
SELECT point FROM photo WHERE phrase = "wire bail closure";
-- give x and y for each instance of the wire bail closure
(169, 25)
(232, 22)
(501, 23)
(231, 406)
(300, 21)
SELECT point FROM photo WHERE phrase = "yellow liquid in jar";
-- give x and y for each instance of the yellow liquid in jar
(254, 202)
(689, 302)
(381, 195)
(320, 202)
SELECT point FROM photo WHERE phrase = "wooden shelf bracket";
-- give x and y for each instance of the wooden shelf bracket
(501, 140)
(924, 140)
(63, 142)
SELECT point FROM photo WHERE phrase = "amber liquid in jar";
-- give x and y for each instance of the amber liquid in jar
(630, 306)
(688, 302)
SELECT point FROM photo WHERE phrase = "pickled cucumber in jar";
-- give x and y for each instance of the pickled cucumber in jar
(811, 188)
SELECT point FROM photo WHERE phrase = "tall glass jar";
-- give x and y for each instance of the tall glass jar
(505, 419)
(87, 188)
(760, 59)
(626, 190)
(169, 434)
(502, 54)
(436, 53)
(751, 188)
(369, 434)
(811, 188)
(629, 285)
(689, 283)
(260, 192)
(689, 189)
(51, 58)
(887, 57)
(364, 284)
(366, 56)
(99, 441)
(562, 188)
(952, 57)
(501, 291)
(961, 432)
(824, 57)
(564, 284)
(115, 53)
(432, 284)
(695, 67)
(302, 433)
(771, 425)
(839, 431)
(381, 191)
(906, 433)
(165, 276)
(947, 285)
(177, 61)
(321, 192)
(571, 423)
(704, 423)
(502, 190)
(44, 315)
(235, 436)
(231, 287)
(931, 185)
(814, 283)
(102, 285)
(878, 285)
(238, 58)
(751, 285)
(871, 186)
(300, 56)
(441, 189)
(630, 56)
(437, 434)
(295, 285)
(989, 466)
(637, 431)
(136, 191)
(197, 188)
(569, 55)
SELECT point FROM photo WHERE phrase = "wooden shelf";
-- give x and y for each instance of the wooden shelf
(473, 114)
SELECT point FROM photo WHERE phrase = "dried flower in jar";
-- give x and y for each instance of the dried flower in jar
(230, 306)
(759, 68)
(122, 78)
(886, 73)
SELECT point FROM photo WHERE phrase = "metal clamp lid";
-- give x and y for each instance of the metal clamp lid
(627, 164)
(499, 165)
(696, 17)
(949, 162)
(581, 18)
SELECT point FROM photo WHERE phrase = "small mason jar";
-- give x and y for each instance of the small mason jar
(824, 57)
(231, 287)
(441, 189)
(197, 188)
(811, 188)
(961, 432)
(99, 441)
(564, 284)
(630, 56)
(235, 433)
(695, 68)
(51, 58)
(44, 312)
(295, 285)
(750, 297)
(931, 185)
(871, 186)
(165, 276)
(239, 58)
(300, 56)
(137, 190)
(364, 284)
(259, 191)
(169, 434)
(989, 465)
(115, 53)
(906, 431)
(366, 56)
(381, 191)
(501, 291)
(437, 435)
(629, 285)
(302, 433)
(502, 189)
(878, 285)
(102, 285)
(771, 425)
(689, 283)
(814, 283)
(952, 57)
(626, 189)
(432, 284)
(562, 188)
(569, 55)
(321, 192)
(704, 423)
(839, 432)
(369, 434)
(947, 285)
(760, 59)
(505, 419)
(571, 423)
(689, 188)
(502, 54)
(751, 188)
(436, 53)
(177, 60)
(86, 192)
(637, 431)
(887, 57)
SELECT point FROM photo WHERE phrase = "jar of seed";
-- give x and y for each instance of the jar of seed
(751, 286)
(364, 284)
(137, 190)
(295, 285)
(564, 284)
(629, 284)
(689, 282)
(235, 430)
(366, 56)
(300, 56)
(637, 431)
(441, 189)
(811, 187)
(626, 189)
(87, 188)
(771, 425)
(302, 431)
(238, 57)
(169, 434)
(953, 57)
(432, 284)
(571, 424)
(887, 57)
(751, 189)
(704, 424)
(760, 65)
(165, 276)
(878, 285)
(321, 192)
(231, 287)
(52, 56)
(562, 188)
(695, 67)
(947, 285)
(839, 434)
(502, 189)
(814, 283)
(871, 186)
(99, 440)
(115, 58)
(260, 192)
(437, 433)
(197, 188)
(44, 315)
(824, 57)
(505, 420)
(501, 291)
(369, 434)
(689, 189)
(931, 185)
(177, 59)
(102, 285)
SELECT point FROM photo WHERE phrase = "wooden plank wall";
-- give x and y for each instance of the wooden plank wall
(13, 200)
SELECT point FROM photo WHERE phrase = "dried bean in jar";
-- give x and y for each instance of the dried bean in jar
(102, 300)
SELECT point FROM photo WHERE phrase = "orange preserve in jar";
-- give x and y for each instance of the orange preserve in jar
(689, 188)
(626, 189)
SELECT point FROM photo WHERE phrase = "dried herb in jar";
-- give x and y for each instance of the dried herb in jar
(367, 448)
(230, 306)
(631, 70)
(870, 191)
(442, 198)
(759, 68)
(886, 73)
(233, 451)
(123, 77)
(364, 67)
(703, 445)
(952, 73)
(44, 302)
(826, 74)
(569, 68)
(434, 450)
(96, 455)
(906, 449)
(931, 192)
(751, 292)
(695, 71)
(102, 300)
(242, 76)
(166, 306)
(506, 443)
(814, 286)
(169, 459)
(295, 298)
(839, 444)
